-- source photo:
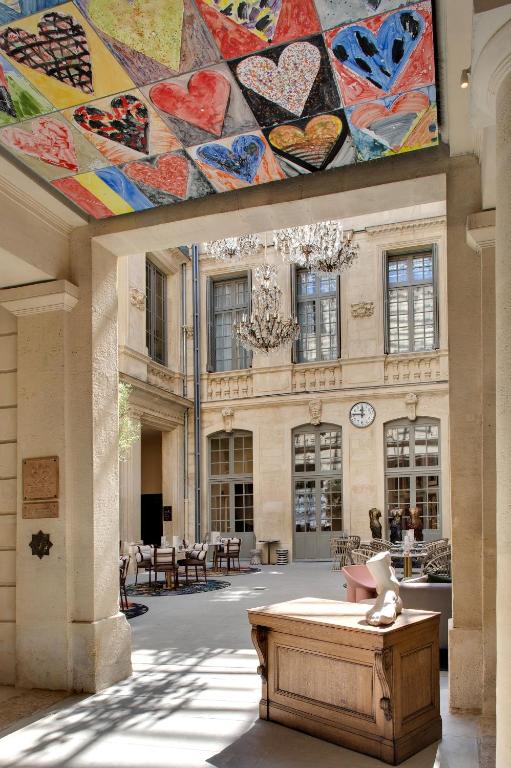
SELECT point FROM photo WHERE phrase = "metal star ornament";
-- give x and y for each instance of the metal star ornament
(40, 544)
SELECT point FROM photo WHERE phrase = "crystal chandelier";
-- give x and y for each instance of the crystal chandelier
(266, 329)
(319, 247)
(233, 248)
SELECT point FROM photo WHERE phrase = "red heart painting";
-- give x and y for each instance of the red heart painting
(168, 173)
(50, 140)
(204, 104)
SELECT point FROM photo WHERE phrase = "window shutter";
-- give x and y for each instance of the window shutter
(436, 308)
(249, 310)
(385, 306)
(338, 303)
(293, 310)
(210, 367)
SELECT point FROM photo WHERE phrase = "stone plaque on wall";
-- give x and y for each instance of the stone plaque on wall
(41, 478)
(36, 510)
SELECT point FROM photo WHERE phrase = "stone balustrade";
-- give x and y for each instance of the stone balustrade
(413, 369)
(309, 378)
(228, 386)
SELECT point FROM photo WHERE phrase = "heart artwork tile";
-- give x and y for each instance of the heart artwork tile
(313, 144)
(168, 178)
(152, 39)
(62, 56)
(124, 127)
(202, 106)
(50, 147)
(385, 54)
(393, 125)
(237, 162)
(288, 82)
(244, 26)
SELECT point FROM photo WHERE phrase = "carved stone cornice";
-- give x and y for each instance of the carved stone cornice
(481, 230)
(52, 296)
(37, 210)
(406, 226)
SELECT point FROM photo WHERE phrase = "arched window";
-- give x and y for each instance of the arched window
(317, 489)
(412, 469)
(231, 489)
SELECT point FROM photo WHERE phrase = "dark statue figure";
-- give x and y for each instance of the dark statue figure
(416, 524)
(374, 522)
(396, 527)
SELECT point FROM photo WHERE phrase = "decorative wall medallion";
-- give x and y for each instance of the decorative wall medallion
(137, 298)
(411, 402)
(362, 309)
(35, 510)
(315, 412)
(228, 417)
(41, 478)
(40, 544)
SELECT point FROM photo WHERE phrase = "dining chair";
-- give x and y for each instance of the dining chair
(229, 551)
(124, 564)
(164, 561)
(196, 557)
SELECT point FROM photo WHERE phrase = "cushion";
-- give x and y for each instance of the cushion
(439, 578)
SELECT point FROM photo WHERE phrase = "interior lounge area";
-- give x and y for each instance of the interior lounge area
(255, 268)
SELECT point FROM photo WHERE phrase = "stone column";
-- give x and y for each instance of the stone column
(503, 353)
(465, 434)
(69, 632)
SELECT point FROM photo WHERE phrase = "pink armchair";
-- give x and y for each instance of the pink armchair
(360, 584)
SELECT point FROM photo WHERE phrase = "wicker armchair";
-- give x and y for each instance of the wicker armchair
(144, 559)
(340, 550)
(164, 561)
(124, 564)
(438, 565)
(229, 551)
(362, 555)
(380, 545)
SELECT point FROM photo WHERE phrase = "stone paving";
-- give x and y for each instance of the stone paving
(192, 701)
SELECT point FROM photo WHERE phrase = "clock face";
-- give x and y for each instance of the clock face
(362, 415)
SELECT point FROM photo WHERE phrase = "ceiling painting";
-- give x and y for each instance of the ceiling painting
(126, 105)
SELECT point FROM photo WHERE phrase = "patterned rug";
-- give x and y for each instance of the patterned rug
(134, 610)
(161, 589)
(244, 571)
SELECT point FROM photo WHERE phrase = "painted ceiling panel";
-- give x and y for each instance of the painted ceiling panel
(125, 105)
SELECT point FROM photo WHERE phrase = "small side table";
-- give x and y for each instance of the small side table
(269, 542)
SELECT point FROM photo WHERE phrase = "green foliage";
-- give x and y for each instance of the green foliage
(129, 430)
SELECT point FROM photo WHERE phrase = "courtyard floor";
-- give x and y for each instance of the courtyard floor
(192, 701)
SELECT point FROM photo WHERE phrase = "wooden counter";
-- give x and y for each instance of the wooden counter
(326, 672)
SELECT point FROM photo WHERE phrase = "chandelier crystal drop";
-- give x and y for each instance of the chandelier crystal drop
(319, 247)
(266, 329)
(233, 248)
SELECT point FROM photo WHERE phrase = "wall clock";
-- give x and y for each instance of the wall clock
(362, 415)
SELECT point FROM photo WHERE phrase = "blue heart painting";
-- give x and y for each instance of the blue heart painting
(13, 11)
(380, 59)
(242, 161)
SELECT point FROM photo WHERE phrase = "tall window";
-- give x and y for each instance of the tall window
(156, 313)
(317, 310)
(229, 300)
(412, 318)
(231, 483)
(412, 461)
(317, 455)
